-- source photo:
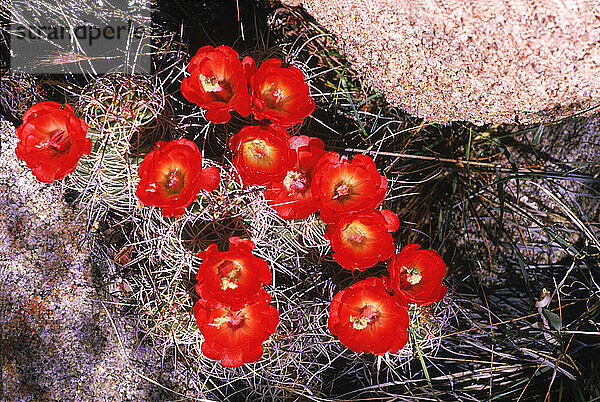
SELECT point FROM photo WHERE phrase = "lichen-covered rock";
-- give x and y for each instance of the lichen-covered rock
(480, 61)
(57, 341)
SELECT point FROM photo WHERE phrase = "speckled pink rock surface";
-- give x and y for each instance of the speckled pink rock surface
(61, 338)
(471, 60)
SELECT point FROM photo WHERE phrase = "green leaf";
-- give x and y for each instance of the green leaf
(553, 319)
(501, 195)
(523, 269)
(468, 152)
(538, 135)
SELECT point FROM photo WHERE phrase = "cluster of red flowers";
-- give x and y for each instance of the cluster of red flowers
(366, 318)
(348, 194)
(219, 82)
(52, 139)
(234, 313)
(302, 177)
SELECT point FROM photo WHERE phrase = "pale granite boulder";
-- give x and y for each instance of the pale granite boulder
(470, 60)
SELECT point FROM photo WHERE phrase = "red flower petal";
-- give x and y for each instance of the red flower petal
(171, 176)
(262, 155)
(292, 197)
(52, 140)
(417, 274)
(342, 186)
(360, 240)
(367, 319)
(231, 277)
(249, 67)
(309, 151)
(217, 83)
(235, 336)
(241, 243)
(217, 116)
(391, 220)
(280, 94)
(210, 178)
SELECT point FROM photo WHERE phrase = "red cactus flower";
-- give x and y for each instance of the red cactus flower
(231, 277)
(172, 176)
(292, 197)
(262, 154)
(360, 240)
(217, 83)
(280, 94)
(235, 335)
(367, 319)
(343, 186)
(417, 274)
(52, 140)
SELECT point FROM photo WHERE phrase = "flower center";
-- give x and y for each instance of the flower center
(278, 94)
(274, 97)
(210, 84)
(259, 150)
(229, 271)
(173, 179)
(295, 182)
(341, 191)
(412, 275)
(59, 141)
(355, 234)
(234, 319)
(357, 237)
(173, 182)
(217, 91)
(368, 315)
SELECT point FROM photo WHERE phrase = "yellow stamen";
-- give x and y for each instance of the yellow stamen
(356, 234)
(341, 191)
(359, 322)
(227, 283)
(294, 181)
(412, 275)
(219, 321)
(257, 149)
(210, 84)
(279, 94)
(368, 315)
(229, 280)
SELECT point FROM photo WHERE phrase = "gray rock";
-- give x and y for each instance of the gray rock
(479, 61)
(57, 341)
